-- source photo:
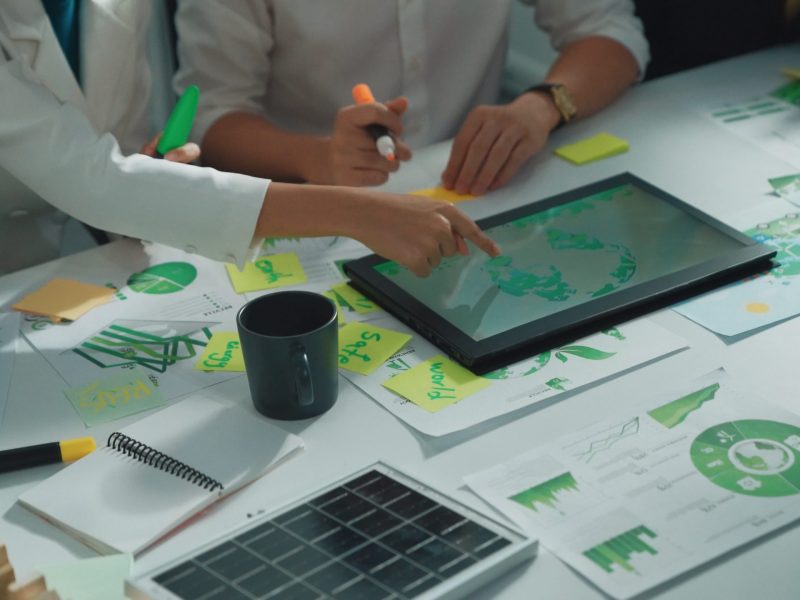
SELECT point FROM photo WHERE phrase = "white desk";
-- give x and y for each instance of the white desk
(670, 146)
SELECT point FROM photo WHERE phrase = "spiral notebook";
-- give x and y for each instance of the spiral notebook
(151, 477)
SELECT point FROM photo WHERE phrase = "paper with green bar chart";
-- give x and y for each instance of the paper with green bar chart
(634, 501)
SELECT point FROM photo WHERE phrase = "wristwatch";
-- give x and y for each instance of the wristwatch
(561, 98)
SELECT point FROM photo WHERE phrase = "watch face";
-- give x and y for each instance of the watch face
(563, 101)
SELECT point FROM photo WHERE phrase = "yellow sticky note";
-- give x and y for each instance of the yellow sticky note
(267, 272)
(436, 383)
(791, 73)
(441, 193)
(603, 145)
(339, 313)
(223, 353)
(355, 299)
(64, 299)
(363, 347)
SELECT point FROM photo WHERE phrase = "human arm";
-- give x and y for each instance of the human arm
(52, 148)
(414, 231)
(602, 52)
(248, 143)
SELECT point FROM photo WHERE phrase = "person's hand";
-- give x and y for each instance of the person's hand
(184, 154)
(350, 157)
(495, 141)
(418, 232)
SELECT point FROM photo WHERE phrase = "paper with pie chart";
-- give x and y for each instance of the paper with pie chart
(636, 500)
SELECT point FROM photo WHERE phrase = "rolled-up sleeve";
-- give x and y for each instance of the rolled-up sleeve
(223, 48)
(52, 148)
(567, 21)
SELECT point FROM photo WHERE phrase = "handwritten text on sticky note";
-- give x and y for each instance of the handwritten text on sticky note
(114, 397)
(363, 348)
(223, 353)
(355, 299)
(267, 272)
(436, 383)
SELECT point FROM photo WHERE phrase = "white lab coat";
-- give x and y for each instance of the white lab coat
(68, 151)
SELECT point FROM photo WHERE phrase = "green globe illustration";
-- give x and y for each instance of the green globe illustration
(750, 457)
(165, 278)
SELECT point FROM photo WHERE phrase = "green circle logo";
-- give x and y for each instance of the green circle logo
(166, 278)
(750, 457)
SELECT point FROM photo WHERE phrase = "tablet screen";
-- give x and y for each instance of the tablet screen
(563, 257)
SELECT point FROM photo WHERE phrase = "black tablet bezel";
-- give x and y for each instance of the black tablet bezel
(552, 330)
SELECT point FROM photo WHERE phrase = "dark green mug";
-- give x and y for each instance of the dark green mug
(290, 344)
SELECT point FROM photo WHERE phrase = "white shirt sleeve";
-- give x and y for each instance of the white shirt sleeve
(223, 48)
(53, 149)
(566, 21)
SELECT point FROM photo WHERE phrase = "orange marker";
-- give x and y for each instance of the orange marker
(383, 139)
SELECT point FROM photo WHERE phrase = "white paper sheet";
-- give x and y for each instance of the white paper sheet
(527, 382)
(636, 500)
(9, 331)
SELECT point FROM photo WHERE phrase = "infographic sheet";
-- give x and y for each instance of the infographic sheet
(527, 382)
(641, 498)
(763, 299)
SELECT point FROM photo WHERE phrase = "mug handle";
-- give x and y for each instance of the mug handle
(302, 376)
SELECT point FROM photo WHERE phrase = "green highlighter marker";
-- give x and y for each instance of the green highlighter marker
(179, 123)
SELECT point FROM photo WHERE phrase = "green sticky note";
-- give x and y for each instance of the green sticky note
(436, 383)
(267, 272)
(339, 313)
(364, 347)
(100, 578)
(125, 393)
(223, 353)
(594, 148)
(355, 299)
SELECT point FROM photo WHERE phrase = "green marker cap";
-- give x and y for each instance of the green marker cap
(179, 124)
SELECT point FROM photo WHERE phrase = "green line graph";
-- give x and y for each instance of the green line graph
(601, 444)
(547, 493)
(674, 413)
(154, 345)
(620, 549)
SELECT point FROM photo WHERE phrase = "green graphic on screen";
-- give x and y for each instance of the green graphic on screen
(561, 258)
(620, 550)
(166, 278)
(674, 413)
(750, 457)
(547, 493)
(154, 345)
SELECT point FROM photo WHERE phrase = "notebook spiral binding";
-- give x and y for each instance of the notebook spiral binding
(153, 458)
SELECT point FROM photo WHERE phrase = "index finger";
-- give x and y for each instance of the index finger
(466, 227)
(375, 114)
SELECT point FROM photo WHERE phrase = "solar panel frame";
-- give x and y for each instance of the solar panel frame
(374, 533)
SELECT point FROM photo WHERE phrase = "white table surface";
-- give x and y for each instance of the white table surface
(672, 147)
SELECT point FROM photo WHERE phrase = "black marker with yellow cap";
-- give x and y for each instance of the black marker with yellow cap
(44, 454)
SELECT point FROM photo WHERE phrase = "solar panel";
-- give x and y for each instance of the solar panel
(378, 534)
